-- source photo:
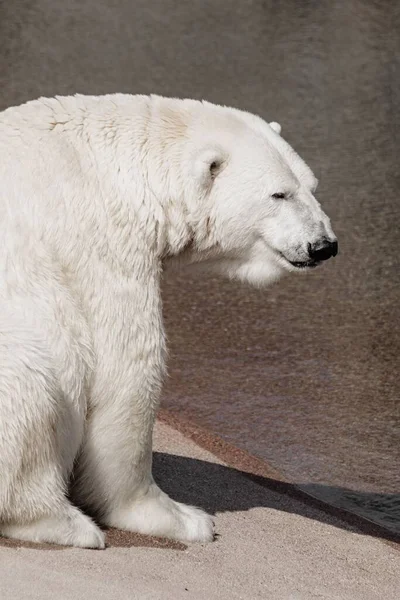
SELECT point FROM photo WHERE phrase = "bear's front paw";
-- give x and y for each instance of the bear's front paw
(157, 514)
(69, 528)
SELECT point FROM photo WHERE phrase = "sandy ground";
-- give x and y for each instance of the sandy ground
(269, 546)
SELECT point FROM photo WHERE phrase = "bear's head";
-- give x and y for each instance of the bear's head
(248, 197)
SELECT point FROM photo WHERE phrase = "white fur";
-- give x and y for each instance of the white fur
(98, 196)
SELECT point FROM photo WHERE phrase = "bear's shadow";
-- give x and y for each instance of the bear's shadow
(218, 488)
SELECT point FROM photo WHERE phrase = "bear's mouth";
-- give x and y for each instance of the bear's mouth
(300, 264)
(307, 264)
(297, 264)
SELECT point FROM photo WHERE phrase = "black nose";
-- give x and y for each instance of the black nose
(322, 250)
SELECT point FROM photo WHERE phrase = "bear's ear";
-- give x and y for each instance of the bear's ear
(276, 127)
(208, 165)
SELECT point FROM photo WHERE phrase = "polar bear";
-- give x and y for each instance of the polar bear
(99, 197)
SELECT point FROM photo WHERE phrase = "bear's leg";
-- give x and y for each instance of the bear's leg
(34, 427)
(113, 476)
(115, 481)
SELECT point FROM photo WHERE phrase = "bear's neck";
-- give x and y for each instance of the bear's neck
(116, 158)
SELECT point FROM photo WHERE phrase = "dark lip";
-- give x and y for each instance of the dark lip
(308, 264)
(298, 264)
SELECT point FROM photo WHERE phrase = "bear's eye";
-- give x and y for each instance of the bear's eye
(279, 196)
